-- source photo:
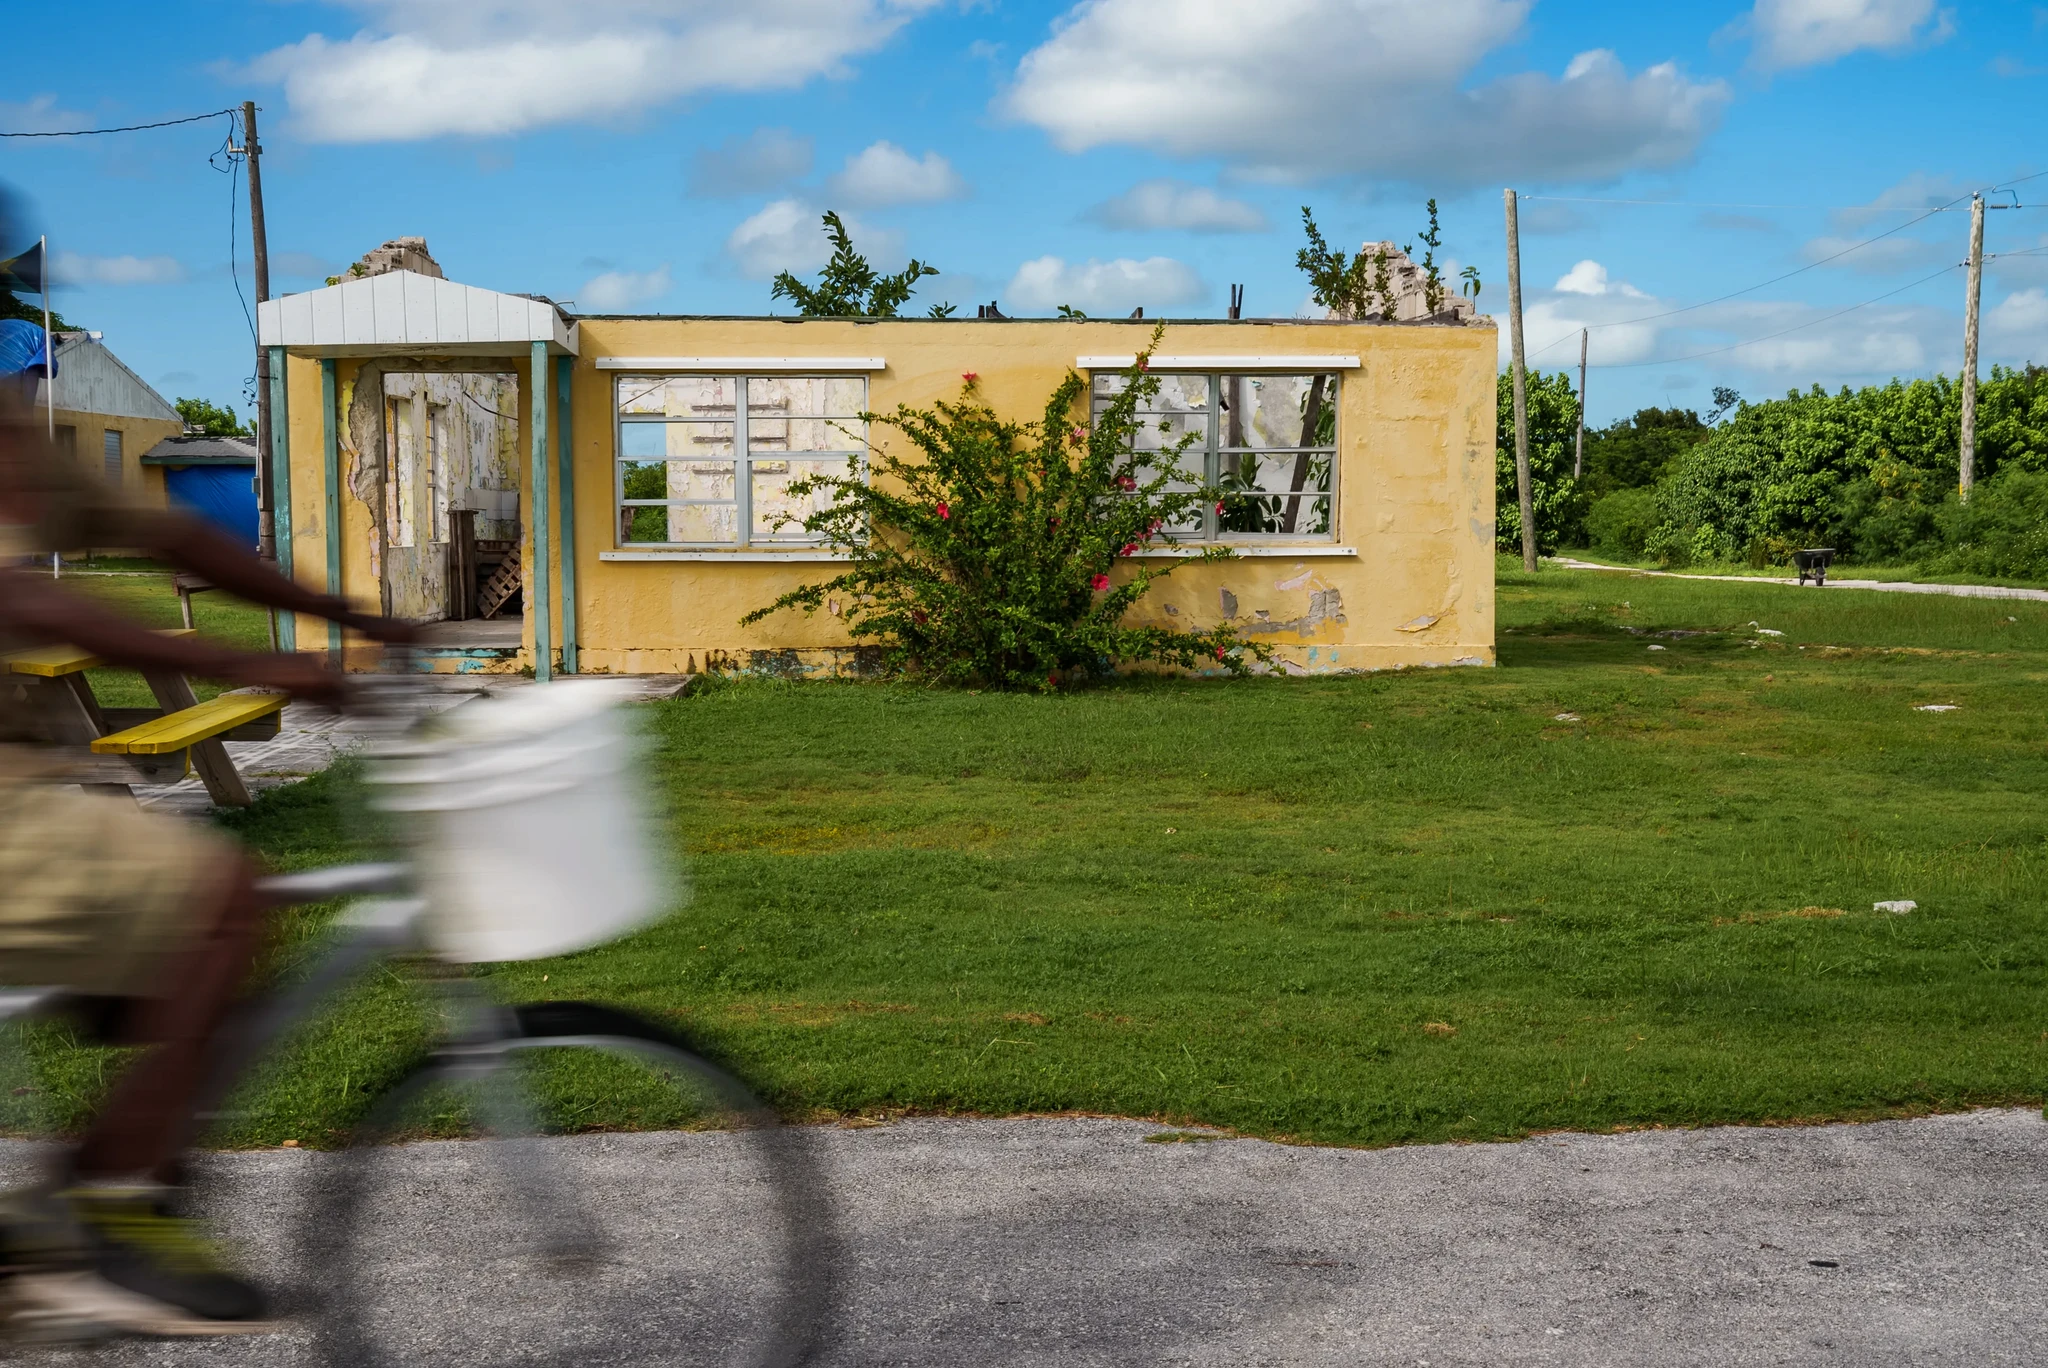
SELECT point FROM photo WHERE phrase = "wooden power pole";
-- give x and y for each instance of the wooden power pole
(266, 509)
(1967, 453)
(1521, 380)
(1579, 451)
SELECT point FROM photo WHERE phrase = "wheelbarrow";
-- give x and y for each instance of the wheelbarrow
(1813, 561)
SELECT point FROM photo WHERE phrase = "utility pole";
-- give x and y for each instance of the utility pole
(266, 513)
(1579, 452)
(1521, 377)
(1967, 464)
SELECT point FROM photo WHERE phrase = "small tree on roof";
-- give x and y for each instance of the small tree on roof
(849, 287)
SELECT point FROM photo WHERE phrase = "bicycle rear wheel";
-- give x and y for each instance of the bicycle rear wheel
(670, 1247)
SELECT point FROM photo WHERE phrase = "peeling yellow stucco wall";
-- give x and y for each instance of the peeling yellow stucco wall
(1415, 482)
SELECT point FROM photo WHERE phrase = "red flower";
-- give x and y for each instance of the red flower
(1052, 682)
(1126, 483)
(1099, 583)
(969, 376)
(945, 512)
(1144, 363)
(1055, 522)
(1153, 527)
(1219, 653)
(919, 616)
(1219, 507)
(1129, 547)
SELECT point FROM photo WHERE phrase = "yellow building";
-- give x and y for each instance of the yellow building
(107, 416)
(653, 459)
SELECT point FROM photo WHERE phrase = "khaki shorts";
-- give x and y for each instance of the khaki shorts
(97, 895)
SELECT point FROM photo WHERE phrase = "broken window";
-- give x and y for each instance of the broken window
(709, 460)
(1267, 442)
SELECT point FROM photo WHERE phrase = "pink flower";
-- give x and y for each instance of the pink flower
(1219, 653)
(969, 376)
(1144, 363)
(1126, 483)
(1129, 547)
(1153, 527)
(945, 512)
(1099, 583)
(1080, 436)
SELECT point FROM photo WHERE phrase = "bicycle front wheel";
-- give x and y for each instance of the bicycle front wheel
(711, 1244)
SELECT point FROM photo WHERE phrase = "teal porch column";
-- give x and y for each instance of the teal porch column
(538, 579)
(565, 367)
(330, 464)
(281, 487)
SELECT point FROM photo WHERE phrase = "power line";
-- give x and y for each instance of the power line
(1748, 289)
(131, 128)
(1812, 322)
(1718, 204)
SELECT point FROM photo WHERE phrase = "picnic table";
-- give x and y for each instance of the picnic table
(160, 745)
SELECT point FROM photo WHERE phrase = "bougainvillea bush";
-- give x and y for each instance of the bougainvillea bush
(983, 548)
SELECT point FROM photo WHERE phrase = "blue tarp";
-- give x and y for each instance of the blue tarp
(223, 495)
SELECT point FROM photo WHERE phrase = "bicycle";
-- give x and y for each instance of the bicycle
(580, 1288)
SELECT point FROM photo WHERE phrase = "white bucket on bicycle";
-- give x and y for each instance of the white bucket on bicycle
(531, 832)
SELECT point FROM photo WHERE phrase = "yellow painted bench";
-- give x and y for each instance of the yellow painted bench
(162, 744)
(59, 662)
(177, 731)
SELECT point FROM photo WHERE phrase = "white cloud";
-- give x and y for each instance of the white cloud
(789, 235)
(70, 268)
(1104, 287)
(1797, 33)
(1885, 256)
(883, 173)
(39, 114)
(1318, 87)
(2020, 320)
(765, 159)
(1794, 343)
(504, 66)
(1172, 204)
(622, 291)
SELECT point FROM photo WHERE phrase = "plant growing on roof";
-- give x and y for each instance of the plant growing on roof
(1470, 289)
(849, 287)
(1347, 286)
(998, 555)
(1432, 277)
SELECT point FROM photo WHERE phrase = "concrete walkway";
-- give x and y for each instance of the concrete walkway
(309, 739)
(1990, 591)
(1074, 1242)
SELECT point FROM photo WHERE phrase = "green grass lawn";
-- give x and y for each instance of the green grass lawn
(1368, 910)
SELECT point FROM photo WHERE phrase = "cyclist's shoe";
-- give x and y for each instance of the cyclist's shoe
(137, 1268)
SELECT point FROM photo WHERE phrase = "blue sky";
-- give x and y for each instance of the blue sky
(670, 155)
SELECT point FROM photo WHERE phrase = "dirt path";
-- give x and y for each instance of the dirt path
(1990, 591)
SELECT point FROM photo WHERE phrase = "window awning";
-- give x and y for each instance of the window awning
(745, 365)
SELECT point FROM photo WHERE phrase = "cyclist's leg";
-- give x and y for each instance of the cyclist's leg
(103, 898)
(140, 1130)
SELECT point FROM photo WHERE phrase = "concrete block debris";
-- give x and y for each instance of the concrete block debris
(1566, 717)
(1901, 907)
(1936, 707)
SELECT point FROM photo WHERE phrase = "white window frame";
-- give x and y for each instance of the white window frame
(743, 457)
(1212, 443)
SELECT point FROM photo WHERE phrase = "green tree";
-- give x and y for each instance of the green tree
(211, 419)
(1638, 451)
(1553, 431)
(987, 557)
(30, 310)
(849, 287)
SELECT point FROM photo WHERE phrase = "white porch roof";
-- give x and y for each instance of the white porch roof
(412, 314)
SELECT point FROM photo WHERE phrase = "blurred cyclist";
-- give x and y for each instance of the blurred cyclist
(150, 923)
